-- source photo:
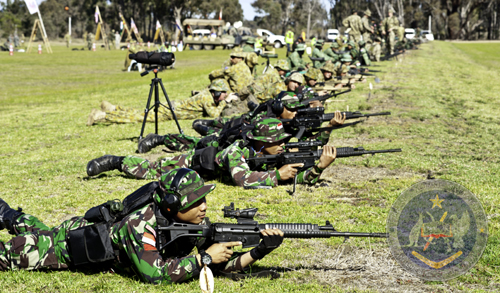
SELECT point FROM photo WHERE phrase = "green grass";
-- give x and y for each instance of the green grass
(444, 107)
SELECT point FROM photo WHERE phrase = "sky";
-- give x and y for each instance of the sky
(249, 12)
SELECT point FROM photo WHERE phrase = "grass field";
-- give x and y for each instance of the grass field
(444, 104)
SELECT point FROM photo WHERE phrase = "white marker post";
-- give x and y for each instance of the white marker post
(39, 49)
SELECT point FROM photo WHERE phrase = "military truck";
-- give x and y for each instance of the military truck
(219, 34)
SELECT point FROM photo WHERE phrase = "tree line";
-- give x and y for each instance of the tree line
(451, 19)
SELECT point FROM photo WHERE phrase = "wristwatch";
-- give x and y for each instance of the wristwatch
(206, 259)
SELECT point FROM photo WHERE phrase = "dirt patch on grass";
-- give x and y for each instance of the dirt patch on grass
(343, 173)
(353, 268)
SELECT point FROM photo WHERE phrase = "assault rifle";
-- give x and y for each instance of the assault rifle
(315, 97)
(388, 57)
(308, 154)
(247, 230)
(312, 118)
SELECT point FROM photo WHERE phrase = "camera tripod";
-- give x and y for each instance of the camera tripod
(154, 87)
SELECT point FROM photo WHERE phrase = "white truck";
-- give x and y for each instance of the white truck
(278, 41)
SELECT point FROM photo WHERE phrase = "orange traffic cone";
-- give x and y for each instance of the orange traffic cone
(93, 47)
(11, 50)
(39, 49)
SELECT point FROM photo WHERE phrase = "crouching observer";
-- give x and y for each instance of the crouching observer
(125, 236)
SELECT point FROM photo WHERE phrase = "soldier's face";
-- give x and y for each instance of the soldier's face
(327, 75)
(281, 72)
(235, 60)
(270, 148)
(287, 114)
(292, 85)
(311, 82)
(194, 214)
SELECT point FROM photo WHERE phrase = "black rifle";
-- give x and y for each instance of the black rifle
(316, 97)
(317, 59)
(388, 57)
(371, 70)
(308, 154)
(354, 71)
(247, 230)
(310, 119)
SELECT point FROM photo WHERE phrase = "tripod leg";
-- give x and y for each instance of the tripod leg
(146, 111)
(170, 107)
(157, 105)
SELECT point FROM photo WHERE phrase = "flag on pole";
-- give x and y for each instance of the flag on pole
(132, 26)
(220, 14)
(96, 14)
(158, 25)
(32, 6)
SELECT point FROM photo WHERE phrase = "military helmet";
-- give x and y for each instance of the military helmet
(282, 64)
(300, 47)
(346, 58)
(219, 85)
(297, 77)
(312, 73)
(250, 40)
(328, 67)
(368, 12)
(352, 44)
(268, 130)
(361, 43)
(182, 188)
(237, 52)
(319, 43)
(392, 10)
(289, 100)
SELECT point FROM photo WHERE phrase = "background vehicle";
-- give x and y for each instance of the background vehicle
(272, 39)
(409, 33)
(199, 34)
(332, 34)
(427, 34)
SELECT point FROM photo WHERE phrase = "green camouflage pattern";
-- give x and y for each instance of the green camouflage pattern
(390, 27)
(297, 77)
(199, 105)
(330, 67)
(296, 61)
(268, 130)
(313, 73)
(219, 85)
(191, 188)
(334, 57)
(238, 76)
(266, 86)
(282, 64)
(355, 24)
(180, 142)
(346, 57)
(317, 53)
(237, 52)
(140, 168)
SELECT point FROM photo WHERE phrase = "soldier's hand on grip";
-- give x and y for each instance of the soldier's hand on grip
(220, 252)
(338, 119)
(272, 239)
(327, 157)
(289, 171)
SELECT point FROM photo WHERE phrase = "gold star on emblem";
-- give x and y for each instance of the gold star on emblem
(436, 202)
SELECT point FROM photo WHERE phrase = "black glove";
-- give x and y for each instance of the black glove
(266, 245)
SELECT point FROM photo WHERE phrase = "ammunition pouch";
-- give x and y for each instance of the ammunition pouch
(204, 159)
(91, 244)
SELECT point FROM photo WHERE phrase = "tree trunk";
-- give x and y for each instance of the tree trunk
(177, 16)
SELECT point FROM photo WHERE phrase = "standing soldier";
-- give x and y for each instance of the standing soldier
(390, 25)
(67, 38)
(376, 49)
(90, 40)
(367, 29)
(84, 36)
(16, 40)
(354, 26)
(289, 37)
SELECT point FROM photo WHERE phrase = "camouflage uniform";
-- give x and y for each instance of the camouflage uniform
(295, 60)
(248, 47)
(390, 26)
(364, 54)
(317, 53)
(330, 53)
(36, 246)
(230, 163)
(202, 104)
(366, 29)
(376, 49)
(354, 23)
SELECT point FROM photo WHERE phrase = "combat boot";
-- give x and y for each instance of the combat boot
(202, 126)
(151, 141)
(103, 164)
(95, 116)
(7, 216)
(107, 106)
